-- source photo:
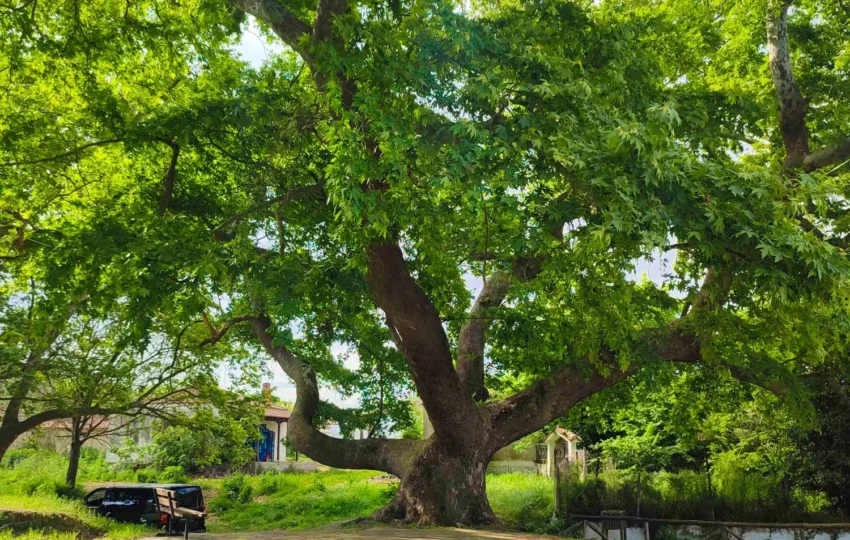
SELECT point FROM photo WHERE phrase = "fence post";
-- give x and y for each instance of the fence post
(557, 481)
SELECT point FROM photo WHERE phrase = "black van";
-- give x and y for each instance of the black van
(134, 503)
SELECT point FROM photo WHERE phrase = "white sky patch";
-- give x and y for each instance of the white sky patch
(254, 47)
(284, 388)
(654, 268)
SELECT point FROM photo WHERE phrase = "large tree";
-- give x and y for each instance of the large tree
(347, 191)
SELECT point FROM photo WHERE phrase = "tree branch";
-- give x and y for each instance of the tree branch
(292, 194)
(217, 333)
(285, 24)
(792, 106)
(170, 178)
(470, 349)
(531, 409)
(418, 331)
(63, 155)
(326, 10)
(387, 455)
(547, 399)
(830, 155)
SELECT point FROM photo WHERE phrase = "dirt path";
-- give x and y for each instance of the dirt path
(372, 532)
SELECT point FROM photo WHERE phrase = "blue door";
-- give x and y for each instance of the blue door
(265, 446)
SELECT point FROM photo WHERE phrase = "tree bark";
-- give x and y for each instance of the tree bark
(6, 440)
(74, 457)
(792, 106)
(420, 337)
(442, 487)
(470, 350)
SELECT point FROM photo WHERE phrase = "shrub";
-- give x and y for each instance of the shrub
(204, 440)
(735, 494)
(173, 474)
(269, 483)
(14, 457)
(237, 488)
(147, 475)
(67, 492)
(37, 473)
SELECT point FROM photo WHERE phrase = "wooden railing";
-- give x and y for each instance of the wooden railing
(722, 530)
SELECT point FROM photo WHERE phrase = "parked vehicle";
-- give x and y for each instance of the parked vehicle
(134, 503)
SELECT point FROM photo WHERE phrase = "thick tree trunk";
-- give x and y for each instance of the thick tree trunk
(442, 487)
(73, 464)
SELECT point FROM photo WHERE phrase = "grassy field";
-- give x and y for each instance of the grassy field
(300, 501)
(294, 500)
(240, 503)
(51, 517)
(522, 501)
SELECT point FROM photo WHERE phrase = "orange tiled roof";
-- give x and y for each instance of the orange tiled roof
(277, 412)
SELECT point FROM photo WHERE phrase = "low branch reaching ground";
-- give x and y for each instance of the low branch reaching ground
(389, 455)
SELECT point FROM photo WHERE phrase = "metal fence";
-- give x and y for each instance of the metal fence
(616, 521)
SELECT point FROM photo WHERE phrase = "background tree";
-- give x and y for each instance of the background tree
(206, 439)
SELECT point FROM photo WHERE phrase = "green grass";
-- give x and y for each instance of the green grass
(288, 500)
(38, 535)
(41, 472)
(48, 507)
(306, 500)
(522, 501)
(298, 500)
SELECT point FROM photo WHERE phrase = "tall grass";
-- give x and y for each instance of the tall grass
(51, 505)
(522, 501)
(294, 500)
(41, 472)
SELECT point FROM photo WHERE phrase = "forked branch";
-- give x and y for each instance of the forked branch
(418, 332)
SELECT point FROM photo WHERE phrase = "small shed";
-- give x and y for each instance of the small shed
(564, 445)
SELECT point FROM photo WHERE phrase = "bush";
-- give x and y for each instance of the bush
(147, 475)
(735, 495)
(270, 483)
(14, 457)
(37, 473)
(67, 492)
(173, 475)
(237, 488)
(204, 440)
